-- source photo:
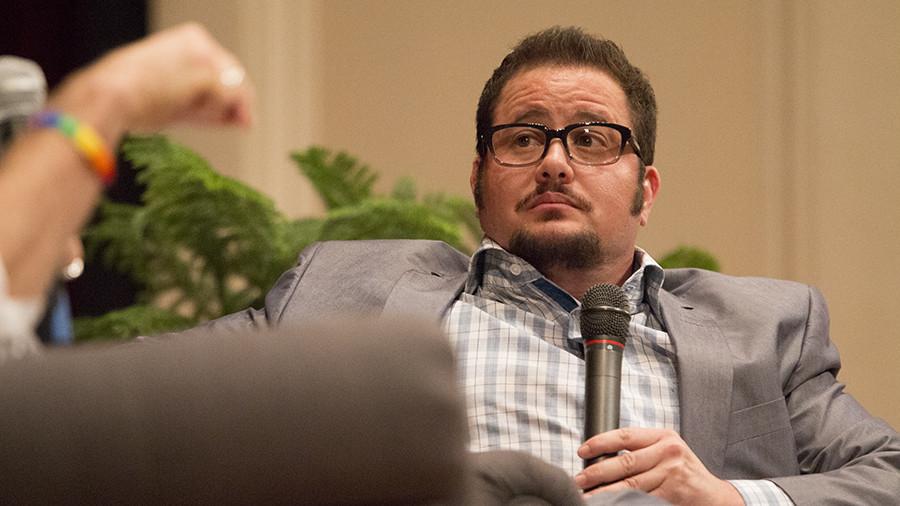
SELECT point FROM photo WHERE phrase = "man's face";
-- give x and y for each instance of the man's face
(558, 201)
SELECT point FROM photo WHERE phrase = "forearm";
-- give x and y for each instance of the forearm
(46, 194)
(47, 189)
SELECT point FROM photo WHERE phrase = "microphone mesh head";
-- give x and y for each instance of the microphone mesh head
(604, 312)
(22, 87)
(22, 93)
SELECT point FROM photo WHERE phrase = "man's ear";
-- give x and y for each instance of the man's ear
(473, 176)
(650, 185)
(475, 181)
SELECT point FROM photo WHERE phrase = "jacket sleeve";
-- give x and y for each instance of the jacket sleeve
(845, 454)
(257, 319)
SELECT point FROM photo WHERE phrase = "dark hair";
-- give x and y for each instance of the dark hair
(571, 46)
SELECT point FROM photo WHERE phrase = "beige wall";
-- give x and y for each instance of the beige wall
(778, 136)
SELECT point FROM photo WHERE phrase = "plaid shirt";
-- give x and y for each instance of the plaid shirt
(521, 361)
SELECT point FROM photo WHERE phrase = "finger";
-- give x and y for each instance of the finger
(620, 467)
(231, 94)
(221, 106)
(650, 481)
(626, 438)
(239, 106)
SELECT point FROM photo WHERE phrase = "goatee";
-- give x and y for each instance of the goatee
(577, 251)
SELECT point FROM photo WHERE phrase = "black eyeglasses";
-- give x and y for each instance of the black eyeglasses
(592, 143)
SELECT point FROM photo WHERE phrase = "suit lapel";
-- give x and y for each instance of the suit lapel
(423, 294)
(704, 379)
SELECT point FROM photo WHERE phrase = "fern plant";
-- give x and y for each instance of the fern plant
(202, 245)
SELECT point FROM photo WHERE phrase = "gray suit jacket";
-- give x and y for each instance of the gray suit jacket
(756, 367)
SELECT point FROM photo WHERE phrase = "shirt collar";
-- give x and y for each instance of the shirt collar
(496, 274)
(645, 282)
(490, 257)
(491, 262)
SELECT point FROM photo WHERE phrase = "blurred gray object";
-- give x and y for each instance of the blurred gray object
(349, 414)
(23, 90)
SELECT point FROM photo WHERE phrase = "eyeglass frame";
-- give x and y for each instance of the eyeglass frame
(487, 138)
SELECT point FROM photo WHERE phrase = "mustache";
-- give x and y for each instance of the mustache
(556, 187)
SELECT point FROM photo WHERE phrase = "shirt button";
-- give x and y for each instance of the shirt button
(515, 269)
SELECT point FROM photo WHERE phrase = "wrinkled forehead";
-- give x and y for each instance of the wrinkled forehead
(560, 92)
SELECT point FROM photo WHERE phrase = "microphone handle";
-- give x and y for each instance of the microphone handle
(603, 386)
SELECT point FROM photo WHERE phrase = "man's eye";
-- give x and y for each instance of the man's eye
(593, 140)
(524, 140)
(584, 140)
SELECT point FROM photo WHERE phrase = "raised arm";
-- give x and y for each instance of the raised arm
(47, 188)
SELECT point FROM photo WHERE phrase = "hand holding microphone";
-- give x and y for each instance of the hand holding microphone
(659, 461)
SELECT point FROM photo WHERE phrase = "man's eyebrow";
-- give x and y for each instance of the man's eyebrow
(586, 116)
(542, 116)
(532, 116)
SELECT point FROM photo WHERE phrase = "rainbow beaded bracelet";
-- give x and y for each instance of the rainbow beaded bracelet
(85, 139)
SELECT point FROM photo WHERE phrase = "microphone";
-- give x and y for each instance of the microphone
(604, 328)
(23, 90)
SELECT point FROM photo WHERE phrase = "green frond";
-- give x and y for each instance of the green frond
(213, 240)
(404, 189)
(339, 179)
(690, 256)
(139, 319)
(389, 219)
(457, 210)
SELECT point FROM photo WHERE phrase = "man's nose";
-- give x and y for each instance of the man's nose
(555, 165)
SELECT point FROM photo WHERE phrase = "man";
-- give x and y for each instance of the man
(729, 394)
